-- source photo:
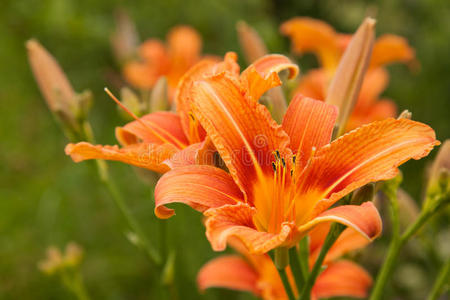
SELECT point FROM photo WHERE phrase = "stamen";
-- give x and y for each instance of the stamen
(274, 167)
(159, 136)
(277, 154)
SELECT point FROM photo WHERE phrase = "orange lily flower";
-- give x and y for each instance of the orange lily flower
(282, 179)
(172, 60)
(310, 35)
(257, 273)
(163, 140)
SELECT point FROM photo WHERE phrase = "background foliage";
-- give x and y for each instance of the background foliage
(47, 199)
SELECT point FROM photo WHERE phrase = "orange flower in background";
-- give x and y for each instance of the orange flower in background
(163, 140)
(181, 52)
(257, 273)
(310, 35)
(282, 180)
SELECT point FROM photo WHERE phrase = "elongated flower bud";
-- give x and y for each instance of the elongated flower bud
(131, 101)
(438, 187)
(124, 39)
(254, 48)
(53, 83)
(159, 98)
(363, 194)
(251, 43)
(346, 84)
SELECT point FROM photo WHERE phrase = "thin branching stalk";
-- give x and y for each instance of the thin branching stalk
(296, 268)
(395, 247)
(284, 278)
(335, 231)
(102, 170)
(441, 281)
(304, 256)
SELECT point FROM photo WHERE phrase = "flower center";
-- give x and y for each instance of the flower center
(282, 208)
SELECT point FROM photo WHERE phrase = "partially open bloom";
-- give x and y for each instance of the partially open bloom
(257, 273)
(161, 140)
(310, 35)
(282, 180)
(172, 60)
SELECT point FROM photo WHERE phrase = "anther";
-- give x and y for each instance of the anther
(294, 157)
(274, 167)
(277, 154)
(283, 162)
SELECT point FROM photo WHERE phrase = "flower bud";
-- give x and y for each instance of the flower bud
(438, 188)
(363, 194)
(52, 262)
(124, 39)
(53, 83)
(159, 98)
(131, 101)
(251, 43)
(346, 84)
(73, 255)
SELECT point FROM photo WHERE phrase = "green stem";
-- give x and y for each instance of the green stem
(441, 281)
(151, 252)
(335, 231)
(393, 251)
(74, 283)
(79, 288)
(103, 173)
(296, 267)
(284, 279)
(304, 256)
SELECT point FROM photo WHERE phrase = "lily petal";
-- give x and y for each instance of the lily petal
(201, 187)
(231, 272)
(144, 155)
(391, 48)
(206, 153)
(242, 130)
(262, 75)
(197, 72)
(140, 75)
(367, 154)
(184, 157)
(363, 218)
(374, 83)
(204, 68)
(342, 278)
(184, 46)
(236, 221)
(159, 128)
(310, 35)
(380, 110)
(314, 84)
(309, 124)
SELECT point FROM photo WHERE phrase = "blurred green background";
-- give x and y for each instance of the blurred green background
(47, 199)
